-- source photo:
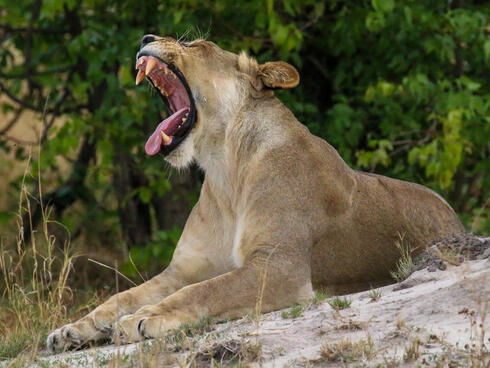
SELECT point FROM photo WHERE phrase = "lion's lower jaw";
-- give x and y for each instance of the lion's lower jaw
(182, 156)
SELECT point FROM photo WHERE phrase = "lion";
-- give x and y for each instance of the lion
(276, 201)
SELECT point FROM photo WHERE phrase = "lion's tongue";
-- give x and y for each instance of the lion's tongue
(169, 127)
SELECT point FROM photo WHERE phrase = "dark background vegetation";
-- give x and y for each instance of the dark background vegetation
(400, 88)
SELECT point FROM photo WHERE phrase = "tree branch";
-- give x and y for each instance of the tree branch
(12, 121)
(41, 108)
(49, 31)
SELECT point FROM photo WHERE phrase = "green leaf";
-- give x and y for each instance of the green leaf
(145, 194)
(486, 49)
(375, 21)
(5, 217)
(384, 6)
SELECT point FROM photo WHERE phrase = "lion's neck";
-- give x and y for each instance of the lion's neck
(225, 154)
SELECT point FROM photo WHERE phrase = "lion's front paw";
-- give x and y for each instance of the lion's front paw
(74, 335)
(157, 326)
(136, 327)
(64, 338)
(127, 329)
(55, 342)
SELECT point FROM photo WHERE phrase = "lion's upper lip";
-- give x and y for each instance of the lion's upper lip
(171, 85)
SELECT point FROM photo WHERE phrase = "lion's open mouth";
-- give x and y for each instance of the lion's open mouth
(174, 90)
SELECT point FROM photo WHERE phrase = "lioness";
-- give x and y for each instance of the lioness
(279, 211)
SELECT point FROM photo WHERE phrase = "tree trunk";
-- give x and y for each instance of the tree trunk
(134, 214)
(174, 207)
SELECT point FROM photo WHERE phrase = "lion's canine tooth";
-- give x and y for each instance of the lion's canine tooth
(140, 76)
(184, 120)
(166, 138)
(150, 65)
(139, 62)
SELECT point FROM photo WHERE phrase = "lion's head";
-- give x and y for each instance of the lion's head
(203, 87)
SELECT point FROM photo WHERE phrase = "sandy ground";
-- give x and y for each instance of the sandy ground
(439, 314)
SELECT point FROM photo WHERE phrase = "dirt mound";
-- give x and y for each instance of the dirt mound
(453, 250)
(438, 319)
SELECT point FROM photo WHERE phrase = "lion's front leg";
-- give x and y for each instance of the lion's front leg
(99, 323)
(231, 295)
(191, 263)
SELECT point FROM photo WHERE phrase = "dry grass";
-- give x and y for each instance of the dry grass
(400, 323)
(478, 352)
(347, 351)
(404, 266)
(34, 283)
(374, 295)
(352, 325)
(448, 255)
(189, 346)
(229, 353)
(412, 351)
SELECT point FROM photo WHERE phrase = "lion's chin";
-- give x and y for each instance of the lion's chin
(183, 155)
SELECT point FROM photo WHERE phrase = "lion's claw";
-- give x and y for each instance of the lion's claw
(74, 335)
(127, 329)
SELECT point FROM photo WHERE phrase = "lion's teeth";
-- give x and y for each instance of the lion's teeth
(166, 138)
(150, 65)
(140, 76)
(139, 62)
(184, 120)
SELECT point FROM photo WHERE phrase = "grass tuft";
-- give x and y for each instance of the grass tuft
(374, 295)
(346, 351)
(405, 265)
(298, 309)
(319, 297)
(339, 303)
(412, 351)
(294, 311)
(230, 353)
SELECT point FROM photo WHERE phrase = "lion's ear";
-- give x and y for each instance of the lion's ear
(278, 74)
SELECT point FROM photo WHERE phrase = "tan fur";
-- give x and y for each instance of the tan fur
(278, 74)
(275, 198)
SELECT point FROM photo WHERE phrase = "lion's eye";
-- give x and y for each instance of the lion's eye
(190, 44)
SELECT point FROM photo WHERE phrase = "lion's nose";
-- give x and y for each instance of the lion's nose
(147, 39)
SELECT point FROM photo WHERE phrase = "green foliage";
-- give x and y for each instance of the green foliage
(399, 88)
(293, 312)
(298, 309)
(187, 330)
(153, 256)
(339, 303)
(10, 348)
(319, 297)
